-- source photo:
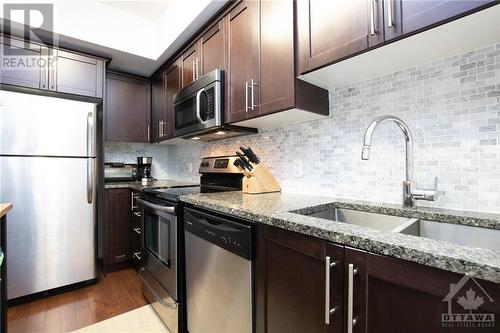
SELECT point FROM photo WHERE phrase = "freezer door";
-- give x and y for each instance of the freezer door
(51, 227)
(45, 126)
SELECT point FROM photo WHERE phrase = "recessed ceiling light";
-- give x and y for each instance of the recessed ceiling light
(220, 133)
(195, 138)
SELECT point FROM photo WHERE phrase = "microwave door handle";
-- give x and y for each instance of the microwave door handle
(198, 105)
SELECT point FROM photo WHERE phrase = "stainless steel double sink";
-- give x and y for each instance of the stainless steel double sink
(449, 232)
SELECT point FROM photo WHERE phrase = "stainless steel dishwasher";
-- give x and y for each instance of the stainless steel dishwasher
(219, 273)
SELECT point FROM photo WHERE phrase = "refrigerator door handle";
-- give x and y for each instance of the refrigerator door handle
(90, 167)
(90, 134)
(90, 185)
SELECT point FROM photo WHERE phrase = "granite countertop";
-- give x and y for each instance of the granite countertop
(5, 208)
(279, 209)
(139, 186)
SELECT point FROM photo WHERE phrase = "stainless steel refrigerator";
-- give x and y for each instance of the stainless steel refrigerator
(48, 171)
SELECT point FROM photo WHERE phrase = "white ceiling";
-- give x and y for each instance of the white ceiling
(138, 36)
(147, 10)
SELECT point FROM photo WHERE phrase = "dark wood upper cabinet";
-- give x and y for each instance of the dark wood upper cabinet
(128, 108)
(213, 48)
(190, 63)
(417, 15)
(277, 59)
(158, 107)
(173, 86)
(242, 77)
(54, 70)
(76, 74)
(32, 77)
(332, 30)
(117, 226)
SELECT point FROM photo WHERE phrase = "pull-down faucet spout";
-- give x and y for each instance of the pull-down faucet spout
(409, 193)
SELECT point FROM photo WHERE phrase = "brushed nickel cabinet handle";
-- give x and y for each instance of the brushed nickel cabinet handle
(252, 85)
(149, 133)
(53, 74)
(137, 230)
(328, 312)
(373, 28)
(246, 96)
(390, 14)
(138, 214)
(197, 67)
(159, 128)
(350, 294)
(194, 71)
(137, 255)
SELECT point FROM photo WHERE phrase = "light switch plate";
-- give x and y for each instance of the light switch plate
(297, 169)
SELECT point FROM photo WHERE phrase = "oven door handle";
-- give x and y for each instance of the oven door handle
(198, 105)
(153, 292)
(166, 209)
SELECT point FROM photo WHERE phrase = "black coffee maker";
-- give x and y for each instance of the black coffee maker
(144, 168)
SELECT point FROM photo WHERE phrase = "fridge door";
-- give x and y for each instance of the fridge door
(51, 230)
(45, 126)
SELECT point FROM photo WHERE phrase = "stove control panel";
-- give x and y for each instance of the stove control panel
(220, 164)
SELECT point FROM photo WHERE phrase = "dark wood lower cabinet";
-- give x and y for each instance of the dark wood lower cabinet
(408, 297)
(388, 295)
(291, 283)
(117, 229)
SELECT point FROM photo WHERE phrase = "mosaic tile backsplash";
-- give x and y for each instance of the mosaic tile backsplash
(452, 107)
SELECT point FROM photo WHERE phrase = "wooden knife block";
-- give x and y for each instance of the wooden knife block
(260, 180)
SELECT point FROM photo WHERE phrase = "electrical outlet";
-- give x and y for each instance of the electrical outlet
(297, 169)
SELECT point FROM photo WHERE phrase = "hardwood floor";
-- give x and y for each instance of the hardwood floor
(117, 293)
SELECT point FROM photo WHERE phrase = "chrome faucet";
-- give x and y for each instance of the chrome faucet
(410, 192)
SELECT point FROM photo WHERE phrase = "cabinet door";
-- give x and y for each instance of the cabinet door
(292, 281)
(128, 111)
(212, 49)
(190, 64)
(331, 30)
(118, 226)
(243, 61)
(158, 107)
(76, 74)
(412, 298)
(417, 14)
(23, 65)
(336, 304)
(277, 66)
(355, 289)
(173, 82)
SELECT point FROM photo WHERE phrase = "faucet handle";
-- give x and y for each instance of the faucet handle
(427, 195)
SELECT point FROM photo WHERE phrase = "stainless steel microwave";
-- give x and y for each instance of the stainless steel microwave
(199, 106)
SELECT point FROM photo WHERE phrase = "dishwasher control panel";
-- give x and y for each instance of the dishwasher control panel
(225, 232)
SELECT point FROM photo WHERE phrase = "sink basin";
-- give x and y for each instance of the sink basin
(455, 233)
(365, 219)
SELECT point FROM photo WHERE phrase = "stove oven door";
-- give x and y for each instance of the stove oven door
(159, 274)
